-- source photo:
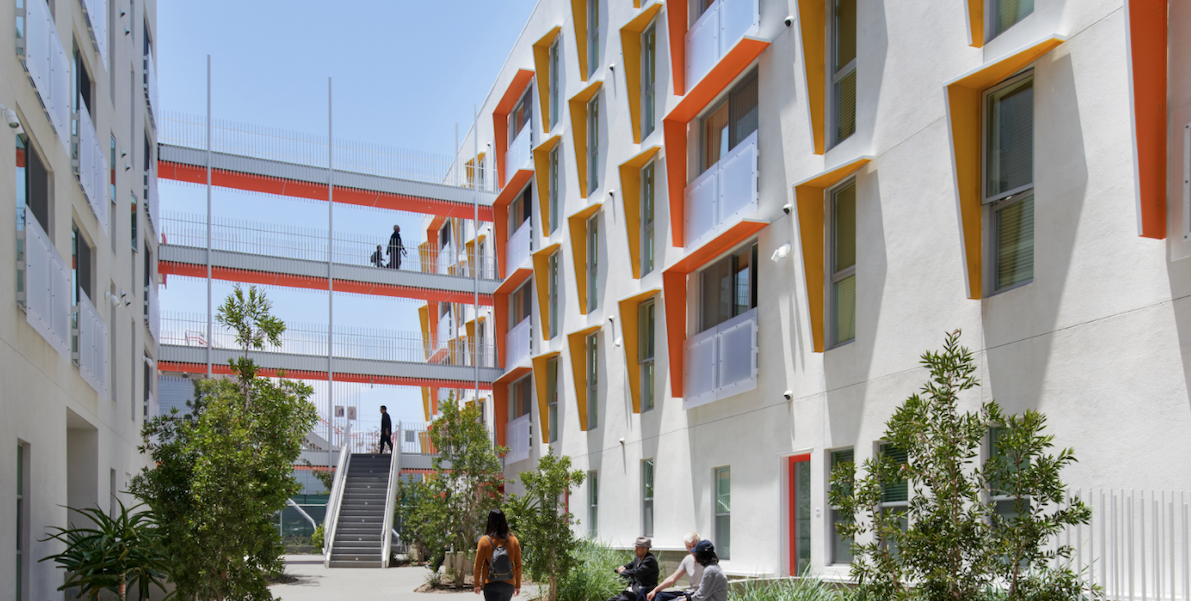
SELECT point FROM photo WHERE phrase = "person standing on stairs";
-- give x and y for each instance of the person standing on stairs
(498, 561)
(386, 430)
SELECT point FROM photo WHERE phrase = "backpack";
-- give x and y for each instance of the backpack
(500, 567)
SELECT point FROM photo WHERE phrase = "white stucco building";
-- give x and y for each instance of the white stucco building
(78, 335)
(745, 220)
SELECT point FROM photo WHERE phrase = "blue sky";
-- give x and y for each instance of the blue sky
(405, 73)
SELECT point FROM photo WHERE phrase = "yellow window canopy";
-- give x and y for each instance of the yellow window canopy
(541, 62)
(630, 194)
(630, 44)
(579, 20)
(579, 128)
(541, 282)
(578, 225)
(628, 332)
(809, 197)
(963, 96)
(541, 166)
(539, 380)
(577, 343)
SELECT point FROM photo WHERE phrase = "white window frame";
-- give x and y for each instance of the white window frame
(555, 77)
(649, 80)
(994, 203)
(593, 36)
(593, 503)
(593, 144)
(552, 365)
(593, 262)
(832, 518)
(552, 289)
(990, 20)
(833, 277)
(723, 548)
(553, 207)
(648, 495)
(644, 362)
(648, 221)
(834, 77)
(593, 380)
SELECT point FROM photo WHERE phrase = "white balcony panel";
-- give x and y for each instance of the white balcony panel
(517, 438)
(154, 201)
(703, 44)
(151, 86)
(153, 319)
(738, 18)
(517, 344)
(725, 193)
(721, 361)
(48, 66)
(444, 333)
(701, 198)
(92, 168)
(517, 250)
(96, 13)
(153, 408)
(93, 347)
(446, 258)
(700, 369)
(718, 29)
(519, 153)
(47, 289)
(738, 182)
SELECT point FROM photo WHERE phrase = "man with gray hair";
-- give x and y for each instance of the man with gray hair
(691, 568)
(642, 572)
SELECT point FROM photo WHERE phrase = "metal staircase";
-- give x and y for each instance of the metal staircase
(362, 515)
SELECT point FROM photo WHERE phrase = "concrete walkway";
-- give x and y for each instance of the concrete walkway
(316, 583)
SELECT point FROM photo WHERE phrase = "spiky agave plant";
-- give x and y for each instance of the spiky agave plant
(118, 551)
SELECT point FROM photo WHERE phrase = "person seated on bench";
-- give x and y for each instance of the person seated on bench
(642, 572)
(689, 567)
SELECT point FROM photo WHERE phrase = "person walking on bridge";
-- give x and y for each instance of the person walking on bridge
(386, 430)
(396, 248)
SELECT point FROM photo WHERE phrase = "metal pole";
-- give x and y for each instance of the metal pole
(330, 281)
(210, 317)
(475, 251)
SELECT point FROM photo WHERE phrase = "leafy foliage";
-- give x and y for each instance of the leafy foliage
(121, 550)
(594, 577)
(801, 589)
(450, 509)
(223, 471)
(949, 540)
(544, 521)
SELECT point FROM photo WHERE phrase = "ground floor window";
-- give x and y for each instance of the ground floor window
(841, 548)
(723, 512)
(647, 497)
(800, 514)
(593, 503)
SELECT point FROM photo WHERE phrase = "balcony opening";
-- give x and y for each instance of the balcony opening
(721, 360)
(728, 288)
(729, 123)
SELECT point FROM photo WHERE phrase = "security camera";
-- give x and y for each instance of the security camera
(789, 21)
(10, 117)
(622, 441)
(789, 394)
(786, 208)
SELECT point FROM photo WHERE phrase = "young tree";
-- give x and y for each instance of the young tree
(450, 510)
(950, 542)
(220, 474)
(544, 522)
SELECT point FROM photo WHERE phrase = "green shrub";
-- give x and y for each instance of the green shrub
(316, 539)
(801, 589)
(594, 577)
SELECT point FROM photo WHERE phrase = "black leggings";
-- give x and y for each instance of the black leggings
(498, 591)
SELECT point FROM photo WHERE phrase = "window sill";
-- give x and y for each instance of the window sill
(1001, 291)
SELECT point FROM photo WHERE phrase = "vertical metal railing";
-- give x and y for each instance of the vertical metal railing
(335, 501)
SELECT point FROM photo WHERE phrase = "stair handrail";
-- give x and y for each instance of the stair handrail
(391, 496)
(335, 500)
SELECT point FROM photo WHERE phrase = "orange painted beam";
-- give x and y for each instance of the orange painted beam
(221, 369)
(316, 191)
(674, 125)
(500, 119)
(1146, 33)
(676, 22)
(316, 283)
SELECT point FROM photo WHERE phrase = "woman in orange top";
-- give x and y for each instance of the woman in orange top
(498, 561)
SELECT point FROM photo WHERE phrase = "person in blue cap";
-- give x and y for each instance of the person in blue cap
(714, 585)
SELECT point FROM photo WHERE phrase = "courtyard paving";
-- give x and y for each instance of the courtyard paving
(316, 583)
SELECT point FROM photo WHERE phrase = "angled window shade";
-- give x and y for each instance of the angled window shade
(1010, 139)
(1014, 225)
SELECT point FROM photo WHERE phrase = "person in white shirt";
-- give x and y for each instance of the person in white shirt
(689, 567)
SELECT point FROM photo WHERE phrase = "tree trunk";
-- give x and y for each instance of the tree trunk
(122, 591)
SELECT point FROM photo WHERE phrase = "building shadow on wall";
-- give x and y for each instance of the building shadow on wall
(1017, 356)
